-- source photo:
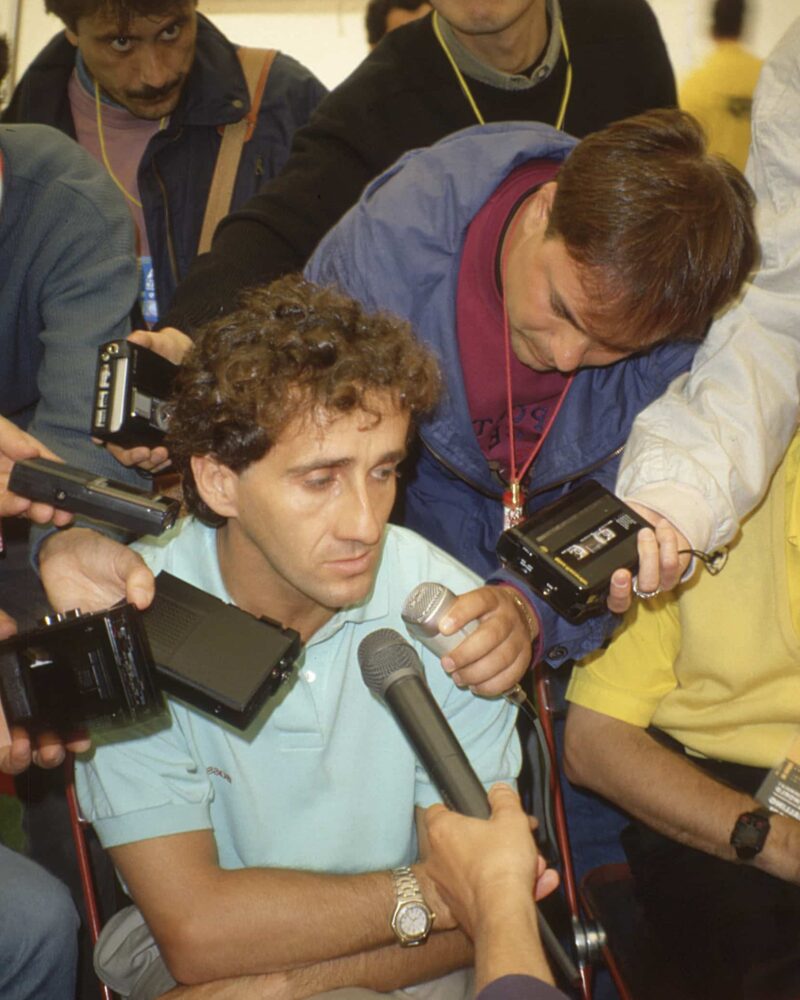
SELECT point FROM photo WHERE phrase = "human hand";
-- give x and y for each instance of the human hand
(492, 658)
(169, 343)
(173, 345)
(474, 863)
(16, 445)
(17, 752)
(144, 458)
(660, 564)
(80, 568)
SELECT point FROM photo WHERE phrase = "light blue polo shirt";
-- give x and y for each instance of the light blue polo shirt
(323, 779)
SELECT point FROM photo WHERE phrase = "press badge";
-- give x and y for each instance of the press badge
(147, 291)
(780, 790)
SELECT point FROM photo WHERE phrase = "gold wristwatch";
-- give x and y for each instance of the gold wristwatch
(412, 919)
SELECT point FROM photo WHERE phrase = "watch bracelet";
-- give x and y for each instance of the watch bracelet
(524, 609)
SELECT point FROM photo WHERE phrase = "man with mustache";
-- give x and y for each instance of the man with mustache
(147, 86)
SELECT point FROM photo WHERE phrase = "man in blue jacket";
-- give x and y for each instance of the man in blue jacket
(575, 280)
(592, 266)
(147, 87)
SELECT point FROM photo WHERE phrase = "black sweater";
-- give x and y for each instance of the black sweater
(405, 95)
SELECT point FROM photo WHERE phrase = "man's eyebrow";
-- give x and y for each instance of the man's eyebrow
(113, 33)
(340, 463)
(560, 307)
(392, 457)
(317, 464)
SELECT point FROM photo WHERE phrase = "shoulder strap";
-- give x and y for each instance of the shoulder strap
(256, 64)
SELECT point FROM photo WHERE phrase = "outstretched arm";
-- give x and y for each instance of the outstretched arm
(488, 872)
(704, 453)
(626, 765)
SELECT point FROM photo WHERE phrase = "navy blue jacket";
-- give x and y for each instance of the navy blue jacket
(176, 169)
(399, 248)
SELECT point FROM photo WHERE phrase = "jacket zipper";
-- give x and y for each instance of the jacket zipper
(173, 262)
(539, 489)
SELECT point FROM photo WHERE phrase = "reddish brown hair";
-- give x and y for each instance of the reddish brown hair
(291, 349)
(661, 230)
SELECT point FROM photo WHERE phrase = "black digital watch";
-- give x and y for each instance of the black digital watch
(749, 833)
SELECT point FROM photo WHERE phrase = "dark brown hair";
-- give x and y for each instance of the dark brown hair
(661, 230)
(70, 11)
(290, 349)
(727, 17)
(378, 12)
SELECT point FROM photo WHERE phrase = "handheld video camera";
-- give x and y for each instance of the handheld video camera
(132, 387)
(78, 669)
(568, 550)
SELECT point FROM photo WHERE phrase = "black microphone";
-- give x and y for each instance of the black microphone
(392, 670)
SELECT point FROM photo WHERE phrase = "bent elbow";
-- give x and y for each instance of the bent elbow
(186, 952)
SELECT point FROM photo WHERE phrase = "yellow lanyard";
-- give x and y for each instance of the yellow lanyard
(104, 154)
(468, 94)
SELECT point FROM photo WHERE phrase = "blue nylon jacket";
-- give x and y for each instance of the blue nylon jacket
(176, 169)
(399, 248)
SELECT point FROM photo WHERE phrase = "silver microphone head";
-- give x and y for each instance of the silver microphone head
(425, 606)
(423, 609)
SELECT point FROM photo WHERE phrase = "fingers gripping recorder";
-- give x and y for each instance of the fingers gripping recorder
(423, 610)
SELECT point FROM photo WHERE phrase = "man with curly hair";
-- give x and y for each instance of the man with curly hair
(261, 860)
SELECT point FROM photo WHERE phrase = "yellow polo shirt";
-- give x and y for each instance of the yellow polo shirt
(716, 665)
(719, 93)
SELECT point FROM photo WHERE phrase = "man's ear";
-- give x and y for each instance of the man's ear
(71, 37)
(217, 485)
(538, 210)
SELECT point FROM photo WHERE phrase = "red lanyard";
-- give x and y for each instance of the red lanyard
(514, 498)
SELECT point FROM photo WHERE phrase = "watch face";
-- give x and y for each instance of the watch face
(412, 920)
(749, 834)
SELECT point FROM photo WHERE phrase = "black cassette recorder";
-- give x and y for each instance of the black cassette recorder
(568, 550)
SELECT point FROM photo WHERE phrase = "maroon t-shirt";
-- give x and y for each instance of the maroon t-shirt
(479, 326)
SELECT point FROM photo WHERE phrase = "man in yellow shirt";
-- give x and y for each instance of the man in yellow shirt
(678, 722)
(719, 93)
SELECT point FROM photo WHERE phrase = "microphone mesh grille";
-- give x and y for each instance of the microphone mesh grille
(423, 601)
(381, 654)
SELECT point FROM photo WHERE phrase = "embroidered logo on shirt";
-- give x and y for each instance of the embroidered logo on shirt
(220, 774)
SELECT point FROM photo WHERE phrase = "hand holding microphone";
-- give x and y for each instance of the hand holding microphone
(392, 670)
(490, 651)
